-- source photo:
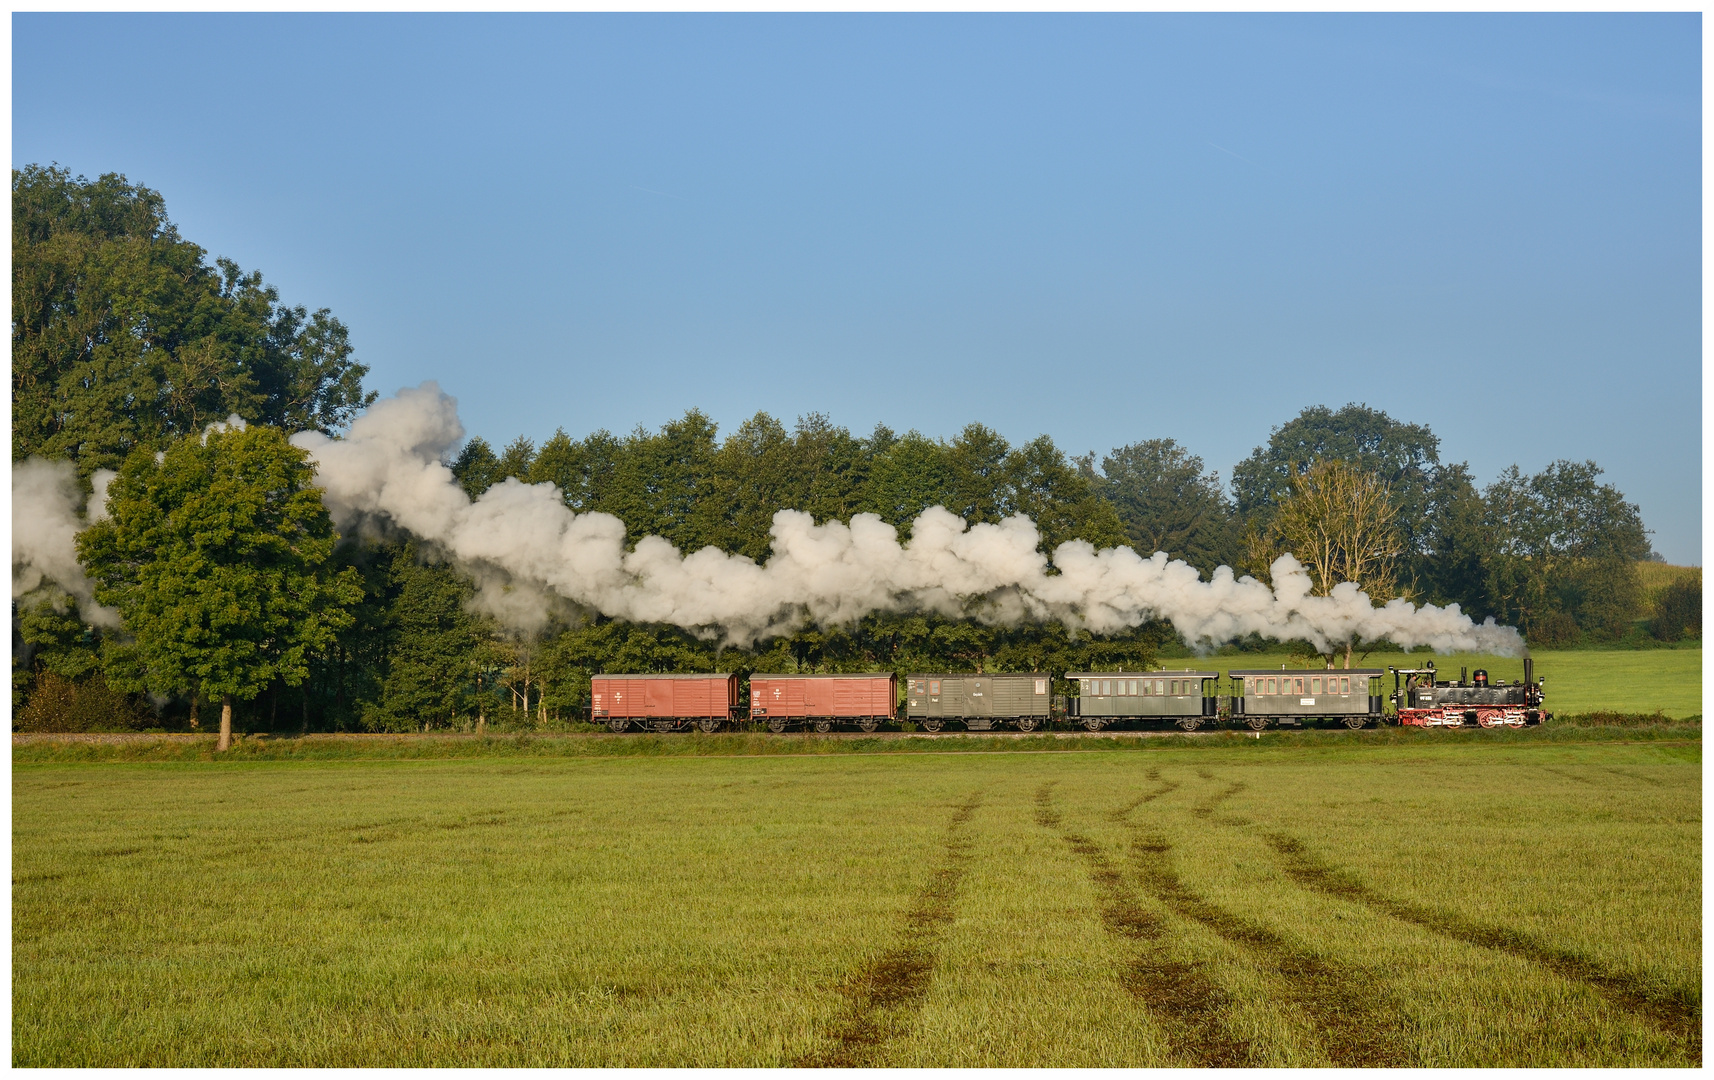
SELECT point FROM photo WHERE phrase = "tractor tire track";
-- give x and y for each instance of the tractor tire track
(1206, 809)
(1678, 1011)
(884, 995)
(1166, 787)
(1358, 1029)
(1180, 995)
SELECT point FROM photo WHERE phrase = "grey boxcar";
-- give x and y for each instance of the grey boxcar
(979, 702)
(1185, 698)
(1264, 696)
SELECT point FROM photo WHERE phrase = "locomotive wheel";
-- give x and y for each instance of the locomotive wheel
(1488, 720)
(868, 723)
(1190, 723)
(933, 724)
(1257, 723)
(1027, 723)
(709, 724)
(617, 725)
(1356, 722)
(1092, 723)
(776, 724)
(822, 727)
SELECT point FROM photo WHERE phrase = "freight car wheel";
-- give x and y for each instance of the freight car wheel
(776, 724)
(1190, 723)
(1356, 723)
(1027, 723)
(709, 724)
(1257, 723)
(868, 724)
(617, 726)
(822, 727)
(933, 724)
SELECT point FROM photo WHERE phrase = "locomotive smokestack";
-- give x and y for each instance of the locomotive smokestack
(1529, 671)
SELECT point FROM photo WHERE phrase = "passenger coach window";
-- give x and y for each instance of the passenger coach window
(1315, 684)
(1271, 689)
(1344, 685)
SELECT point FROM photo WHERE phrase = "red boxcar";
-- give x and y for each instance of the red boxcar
(663, 702)
(823, 700)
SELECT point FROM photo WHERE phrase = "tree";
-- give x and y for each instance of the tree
(215, 557)
(583, 471)
(1341, 524)
(1678, 610)
(908, 476)
(1566, 549)
(663, 482)
(1458, 544)
(476, 468)
(435, 647)
(1167, 503)
(1402, 455)
(124, 337)
(1041, 484)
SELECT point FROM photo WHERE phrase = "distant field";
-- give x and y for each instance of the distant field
(1578, 681)
(1270, 903)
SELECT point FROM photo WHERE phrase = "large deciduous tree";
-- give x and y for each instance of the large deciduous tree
(123, 336)
(1168, 503)
(1566, 552)
(1340, 522)
(215, 555)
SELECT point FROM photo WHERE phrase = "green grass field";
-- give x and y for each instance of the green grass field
(1271, 902)
(1578, 680)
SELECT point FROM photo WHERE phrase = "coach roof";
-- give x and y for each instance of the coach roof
(1184, 674)
(1308, 671)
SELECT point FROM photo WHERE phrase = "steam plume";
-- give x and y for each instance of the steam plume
(530, 554)
(45, 524)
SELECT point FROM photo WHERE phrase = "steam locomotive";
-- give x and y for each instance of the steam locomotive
(1424, 701)
(1187, 699)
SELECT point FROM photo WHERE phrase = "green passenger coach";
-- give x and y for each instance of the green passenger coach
(1282, 696)
(1185, 698)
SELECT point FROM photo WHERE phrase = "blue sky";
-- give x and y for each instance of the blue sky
(1105, 228)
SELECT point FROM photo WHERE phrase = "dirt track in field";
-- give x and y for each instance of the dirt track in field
(1180, 995)
(883, 997)
(1679, 1012)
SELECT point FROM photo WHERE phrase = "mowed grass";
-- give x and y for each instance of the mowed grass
(1578, 680)
(1450, 905)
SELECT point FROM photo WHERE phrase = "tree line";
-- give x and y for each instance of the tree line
(127, 343)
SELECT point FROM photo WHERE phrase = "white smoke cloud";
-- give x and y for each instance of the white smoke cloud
(45, 524)
(530, 555)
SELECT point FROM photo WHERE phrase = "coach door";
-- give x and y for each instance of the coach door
(979, 697)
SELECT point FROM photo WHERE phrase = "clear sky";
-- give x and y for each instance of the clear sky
(1106, 228)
